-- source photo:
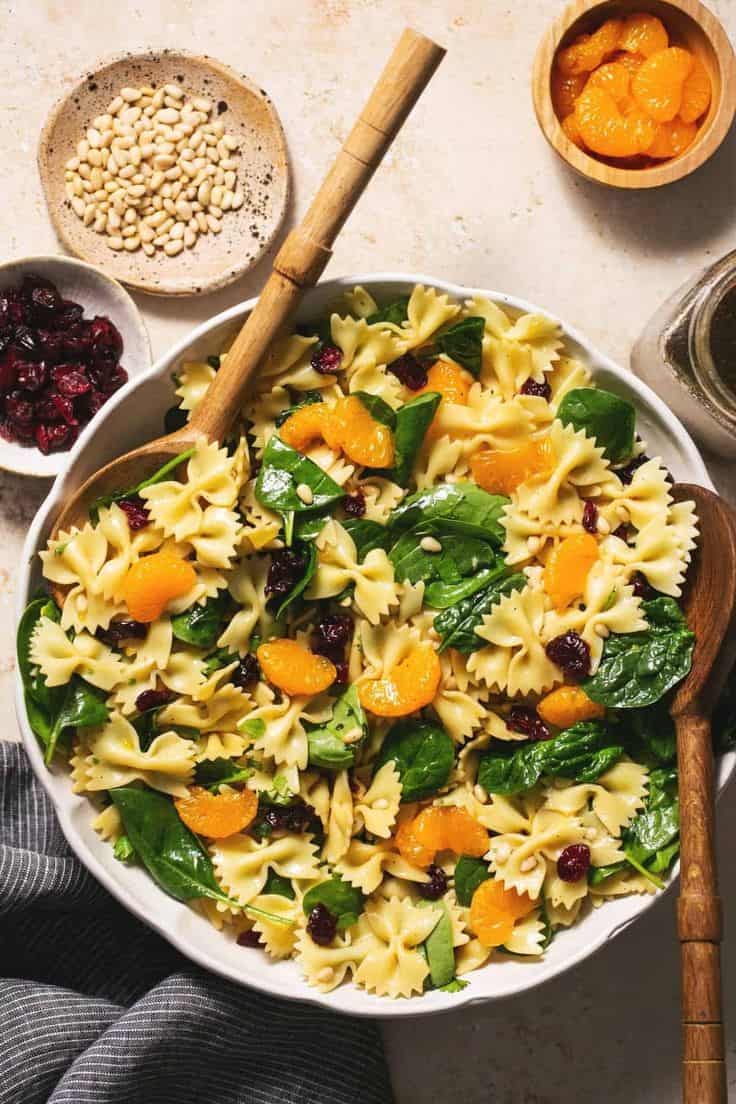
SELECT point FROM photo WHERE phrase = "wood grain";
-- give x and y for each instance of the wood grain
(709, 608)
(298, 265)
(691, 25)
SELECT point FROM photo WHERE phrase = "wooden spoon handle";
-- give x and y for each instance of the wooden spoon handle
(306, 251)
(699, 918)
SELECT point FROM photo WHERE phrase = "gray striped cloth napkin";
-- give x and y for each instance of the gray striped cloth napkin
(97, 1009)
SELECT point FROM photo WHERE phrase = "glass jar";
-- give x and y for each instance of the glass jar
(687, 354)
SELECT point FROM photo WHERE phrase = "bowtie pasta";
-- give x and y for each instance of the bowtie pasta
(381, 683)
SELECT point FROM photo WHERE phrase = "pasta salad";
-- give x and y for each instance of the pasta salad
(380, 684)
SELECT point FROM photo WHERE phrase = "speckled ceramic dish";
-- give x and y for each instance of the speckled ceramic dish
(263, 173)
(98, 294)
(137, 415)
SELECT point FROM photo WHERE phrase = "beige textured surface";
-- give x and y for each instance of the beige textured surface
(471, 192)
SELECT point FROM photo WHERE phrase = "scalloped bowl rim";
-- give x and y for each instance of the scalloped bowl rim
(191, 933)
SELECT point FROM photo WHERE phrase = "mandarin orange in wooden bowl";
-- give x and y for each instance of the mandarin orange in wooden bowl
(635, 94)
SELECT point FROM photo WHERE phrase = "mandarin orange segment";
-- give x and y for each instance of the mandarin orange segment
(606, 130)
(409, 846)
(291, 667)
(362, 438)
(572, 131)
(408, 686)
(463, 834)
(567, 706)
(630, 62)
(305, 426)
(643, 33)
(153, 581)
(672, 139)
(494, 911)
(657, 85)
(565, 88)
(567, 568)
(502, 471)
(440, 828)
(217, 815)
(588, 51)
(696, 92)
(615, 79)
(451, 381)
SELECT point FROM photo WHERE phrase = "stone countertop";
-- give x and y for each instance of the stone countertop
(472, 193)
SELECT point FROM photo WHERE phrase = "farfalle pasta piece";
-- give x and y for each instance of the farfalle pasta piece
(277, 727)
(461, 711)
(615, 798)
(373, 578)
(364, 864)
(325, 967)
(527, 938)
(261, 412)
(363, 345)
(381, 497)
(114, 758)
(642, 500)
(519, 859)
(377, 809)
(288, 363)
(661, 552)
(58, 657)
(377, 380)
(528, 537)
(357, 301)
(261, 526)
(216, 539)
(392, 965)
(579, 470)
(340, 821)
(486, 420)
(193, 378)
(242, 863)
(277, 939)
(213, 478)
(221, 745)
(440, 459)
(247, 586)
(220, 713)
(108, 824)
(566, 375)
(515, 659)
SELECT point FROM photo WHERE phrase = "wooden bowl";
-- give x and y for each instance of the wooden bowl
(690, 25)
(263, 173)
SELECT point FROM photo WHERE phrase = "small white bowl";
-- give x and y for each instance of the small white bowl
(137, 414)
(98, 294)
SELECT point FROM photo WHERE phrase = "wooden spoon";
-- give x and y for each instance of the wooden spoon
(709, 608)
(298, 265)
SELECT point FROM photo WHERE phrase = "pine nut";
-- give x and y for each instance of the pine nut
(502, 853)
(190, 237)
(528, 864)
(173, 247)
(305, 494)
(115, 243)
(430, 544)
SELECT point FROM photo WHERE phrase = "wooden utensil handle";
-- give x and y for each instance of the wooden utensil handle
(699, 918)
(303, 256)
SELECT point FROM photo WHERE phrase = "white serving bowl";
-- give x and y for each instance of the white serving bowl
(98, 294)
(133, 416)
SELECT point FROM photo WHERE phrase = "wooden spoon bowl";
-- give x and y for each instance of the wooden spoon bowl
(691, 25)
(248, 114)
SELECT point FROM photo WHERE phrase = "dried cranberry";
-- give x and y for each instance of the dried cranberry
(94, 401)
(341, 671)
(26, 341)
(52, 345)
(8, 370)
(135, 511)
(436, 887)
(70, 313)
(152, 699)
(107, 344)
(122, 630)
(71, 380)
(32, 375)
(57, 408)
(247, 673)
(12, 308)
(49, 438)
(622, 532)
(523, 718)
(249, 939)
(570, 652)
(573, 863)
(641, 586)
(626, 474)
(590, 517)
(19, 409)
(410, 371)
(540, 390)
(322, 925)
(44, 302)
(297, 817)
(285, 570)
(326, 359)
(354, 504)
(333, 630)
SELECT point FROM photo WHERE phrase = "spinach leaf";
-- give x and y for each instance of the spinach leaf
(469, 873)
(378, 409)
(42, 701)
(309, 552)
(307, 528)
(413, 419)
(327, 747)
(173, 855)
(456, 626)
(123, 849)
(438, 948)
(395, 312)
(367, 535)
(582, 753)
(455, 986)
(651, 841)
(214, 773)
(344, 901)
(423, 754)
(652, 737)
(82, 706)
(462, 343)
(201, 625)
(158, 477)
(283, 470)
(450, 574)
(603, 415)
(321, 329)
(460, 507)
(598, 874)
(637, 669)
(221, 657)
(146, 727)
(282, 887)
